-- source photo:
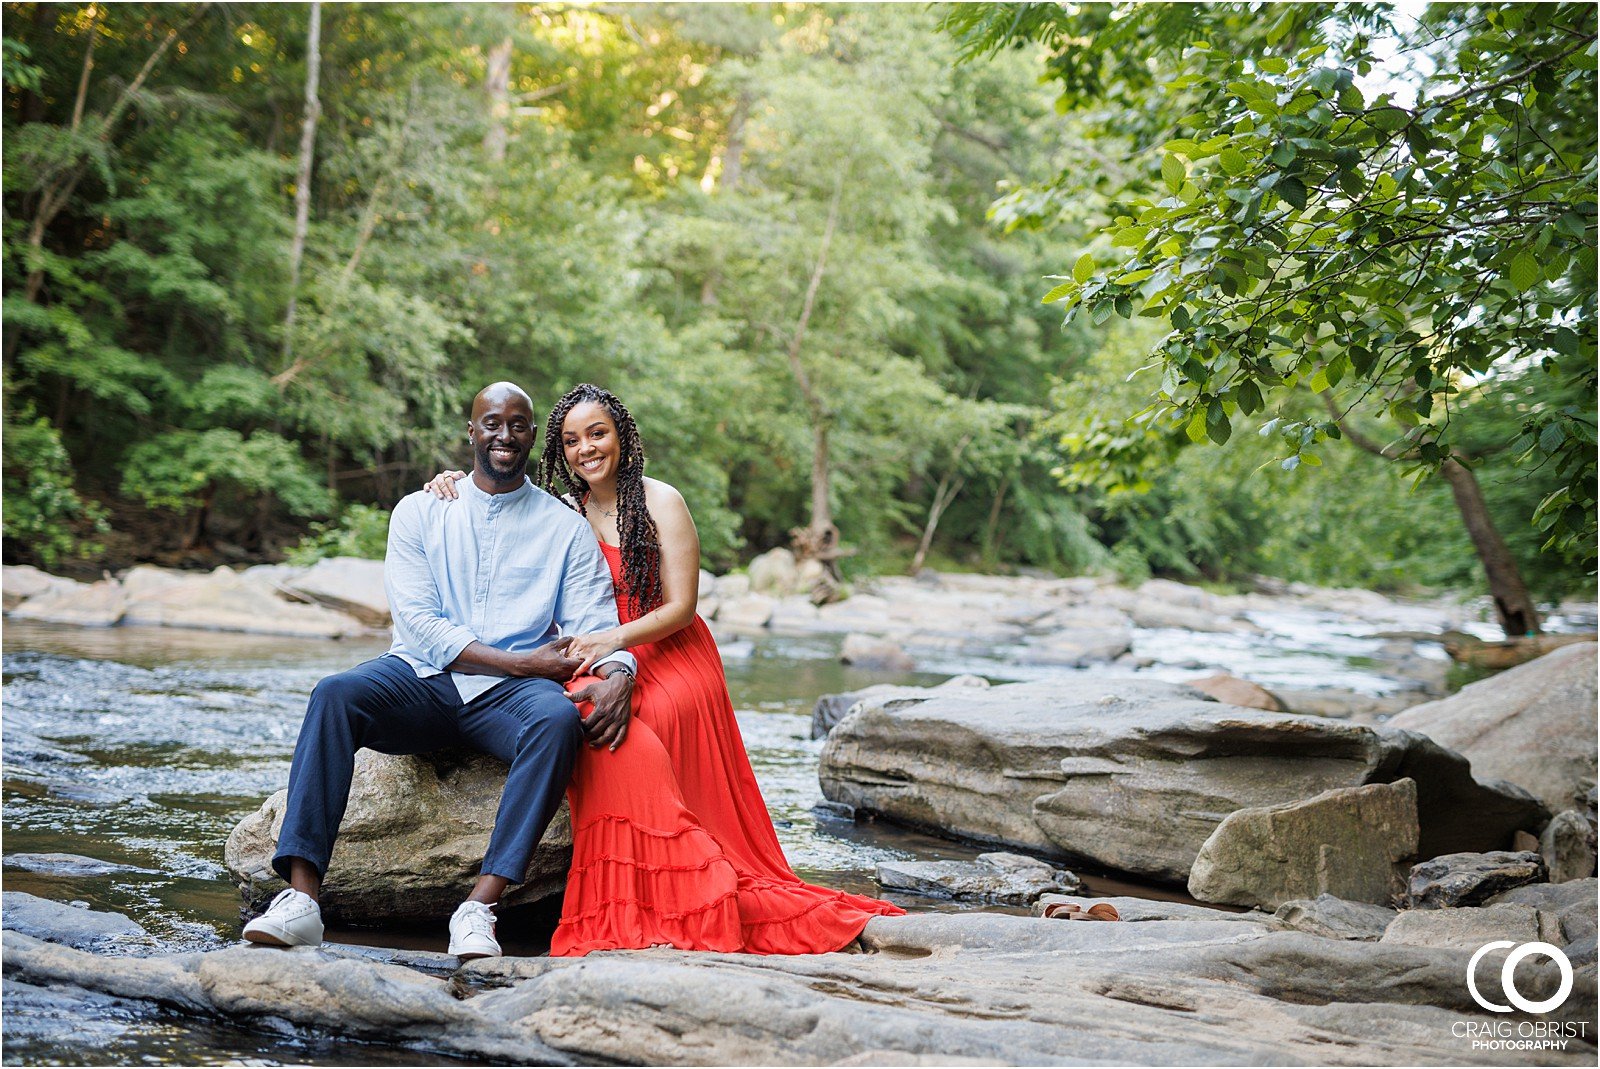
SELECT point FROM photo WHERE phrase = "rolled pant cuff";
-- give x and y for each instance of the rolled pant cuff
(290, 849)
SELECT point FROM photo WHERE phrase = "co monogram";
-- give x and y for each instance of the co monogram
(1508, 981)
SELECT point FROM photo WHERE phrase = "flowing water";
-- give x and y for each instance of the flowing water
(141, 748)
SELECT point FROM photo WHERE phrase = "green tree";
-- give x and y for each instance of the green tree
(1312, 230)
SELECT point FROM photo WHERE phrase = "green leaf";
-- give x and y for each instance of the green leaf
(1525, 271)
(1058, 293)
(1350, 99)
(1083, 270)
(1173, 172)
(1233, 161)
(1218, 429)
(1389, 118)
(1293, 191)
(1196, 430)
(1552, 438)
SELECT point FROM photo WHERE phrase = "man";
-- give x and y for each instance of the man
(478, 587)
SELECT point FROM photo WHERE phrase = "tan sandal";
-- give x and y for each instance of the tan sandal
(1100, 911)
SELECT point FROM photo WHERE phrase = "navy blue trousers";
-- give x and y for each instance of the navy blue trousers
(382, 705)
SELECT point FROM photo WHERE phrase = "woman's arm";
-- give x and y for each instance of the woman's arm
(680, 579)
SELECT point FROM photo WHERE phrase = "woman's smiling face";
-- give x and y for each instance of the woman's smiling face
(589, 440)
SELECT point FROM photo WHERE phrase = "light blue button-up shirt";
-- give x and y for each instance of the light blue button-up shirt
(513, 571)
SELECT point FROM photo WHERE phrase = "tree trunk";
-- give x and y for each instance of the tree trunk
(732, 176)
(302, 188)
(199, 535)
(942, 497)
(992, 528)
(819, 538)
(1512, 605)
(497, 87)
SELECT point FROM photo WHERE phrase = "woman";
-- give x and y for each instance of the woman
(672, 843)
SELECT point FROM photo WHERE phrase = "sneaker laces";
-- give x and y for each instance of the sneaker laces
(478, 919)
(284, 898)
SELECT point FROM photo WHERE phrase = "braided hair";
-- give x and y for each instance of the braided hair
(641, 543)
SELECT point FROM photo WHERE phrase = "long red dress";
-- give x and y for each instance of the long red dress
(671, 840)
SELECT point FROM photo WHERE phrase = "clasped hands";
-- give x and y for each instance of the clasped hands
(571, 656)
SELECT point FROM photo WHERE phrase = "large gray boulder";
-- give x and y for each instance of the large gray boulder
(350, 585)
(1134, 775)
(225, 600)
(932, 989)
(1532, 725)
(100, 604)
(411, 843)
(1347, 842)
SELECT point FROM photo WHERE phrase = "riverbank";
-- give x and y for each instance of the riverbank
(143, 746)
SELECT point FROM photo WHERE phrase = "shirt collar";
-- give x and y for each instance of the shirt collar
(467, 488)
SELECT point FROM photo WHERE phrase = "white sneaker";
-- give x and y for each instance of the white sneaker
(472, 932)
(293, 920)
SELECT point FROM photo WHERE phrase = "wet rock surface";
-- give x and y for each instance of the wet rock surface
(956, 989)
(1012, 879)
(411, 843)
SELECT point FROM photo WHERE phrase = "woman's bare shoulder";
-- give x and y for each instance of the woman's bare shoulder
(658, 494)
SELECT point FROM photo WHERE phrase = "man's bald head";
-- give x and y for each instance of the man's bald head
(498, 393)
(502, 435)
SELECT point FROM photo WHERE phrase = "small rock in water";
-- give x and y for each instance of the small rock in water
(834, 811)
(67, 865)
(74, 924)
(1010, 879)
(865, 651)
(1468, 879)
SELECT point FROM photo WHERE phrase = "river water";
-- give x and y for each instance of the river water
(141, 748)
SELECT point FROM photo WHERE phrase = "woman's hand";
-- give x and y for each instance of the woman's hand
(590, 648)
(443, 485)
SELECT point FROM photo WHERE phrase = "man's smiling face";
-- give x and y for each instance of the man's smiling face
(502, 433)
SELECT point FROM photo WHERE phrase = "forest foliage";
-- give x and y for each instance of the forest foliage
(806, 238)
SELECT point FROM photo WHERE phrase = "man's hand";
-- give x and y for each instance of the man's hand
(549, 661)
(613, 707)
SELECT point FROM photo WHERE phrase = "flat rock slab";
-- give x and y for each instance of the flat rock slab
(1347, 842)
(1572, 902)
(58, 922)
(971, 988)
(1469, 927)
(1467, 879)
(1010, 879)
(1133, 775)
(1135, 910)
(1335, 918)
